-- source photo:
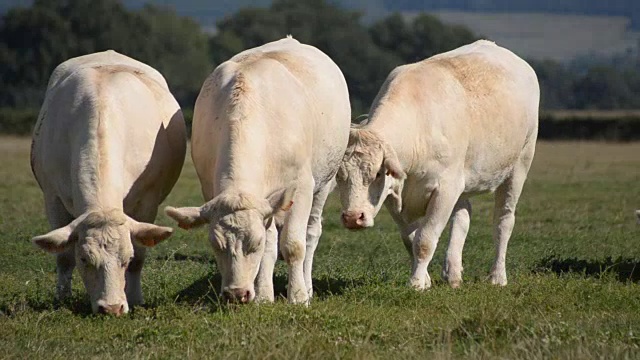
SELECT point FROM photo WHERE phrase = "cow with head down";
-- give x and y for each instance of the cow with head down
(108, 146)
(270, 127)
(440, 131)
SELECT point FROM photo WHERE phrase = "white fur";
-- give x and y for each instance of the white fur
(110, 140)
(270, 127)
(457, 124)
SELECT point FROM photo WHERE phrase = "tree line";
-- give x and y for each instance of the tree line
(35, 39)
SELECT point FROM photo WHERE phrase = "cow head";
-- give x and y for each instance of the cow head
(103, 250)
(369, 172)
(237, 232)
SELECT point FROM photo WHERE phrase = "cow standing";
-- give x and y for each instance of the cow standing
(270, 127)
(440, 131)
(108, 147)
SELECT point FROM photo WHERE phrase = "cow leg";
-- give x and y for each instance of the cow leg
(314, 230)
(264, 281)
(506, 198)
(440, 207)
(406, 232)
(460, 219)
(133, 281)
(58, 217)
(293, 239)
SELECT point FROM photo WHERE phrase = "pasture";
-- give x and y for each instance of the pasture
(573, 267)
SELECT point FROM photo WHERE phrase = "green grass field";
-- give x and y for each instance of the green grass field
(573, 266)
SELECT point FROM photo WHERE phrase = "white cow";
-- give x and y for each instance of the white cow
(108, 147)
(441, 130)
(270, 128)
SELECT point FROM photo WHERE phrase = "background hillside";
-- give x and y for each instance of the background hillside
(210, 11)
(173, 37)
(552, 29)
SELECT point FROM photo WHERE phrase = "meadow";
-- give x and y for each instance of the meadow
(572, 263)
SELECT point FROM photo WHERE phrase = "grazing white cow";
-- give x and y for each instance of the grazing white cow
(270, 128)
(441, 130)
(108, 147)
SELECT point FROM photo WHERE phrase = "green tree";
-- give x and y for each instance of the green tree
(179, 50)
(420, 38)
(556, 84)
(606, 88)
(335, 31)
(34, 40)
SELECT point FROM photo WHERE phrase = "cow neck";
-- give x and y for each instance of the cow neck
(100, 169)
(245, 165)
(393, 127)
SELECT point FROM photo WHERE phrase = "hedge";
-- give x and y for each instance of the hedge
(555, 125)
(21, 121)
(590, 125)
(17, 121)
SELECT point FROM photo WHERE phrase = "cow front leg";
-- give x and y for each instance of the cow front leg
(431, 226)
(293, 241)
(58, 217)
(314, 231)
(133, 287)
(264, 281)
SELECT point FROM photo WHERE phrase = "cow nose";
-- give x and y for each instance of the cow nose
(116, 310)
(237, 296)
(353, 219)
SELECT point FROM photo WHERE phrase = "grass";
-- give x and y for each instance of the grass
(573, 292)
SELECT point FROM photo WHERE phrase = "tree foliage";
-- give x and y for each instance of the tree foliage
(420, 38)
(337, 32)
(34, 40)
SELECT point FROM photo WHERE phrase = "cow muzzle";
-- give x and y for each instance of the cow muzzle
(355, 220)
(237, 296)
(115, 310)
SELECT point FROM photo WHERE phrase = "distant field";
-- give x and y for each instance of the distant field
(573, 292)
(549, 36)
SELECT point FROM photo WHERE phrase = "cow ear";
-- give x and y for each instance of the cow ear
(280, 200)
(187, 217)
(58, 240)
(148, 235)
(391, 163)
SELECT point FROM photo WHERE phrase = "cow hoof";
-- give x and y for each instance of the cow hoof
(499, 280)
(420, 284)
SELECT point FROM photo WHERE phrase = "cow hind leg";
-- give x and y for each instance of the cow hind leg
(506, 199)
(460, 219)
(439, 210)
(58, 217)
(314, 230)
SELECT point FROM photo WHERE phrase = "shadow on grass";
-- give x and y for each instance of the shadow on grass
(206, 290)
(204, 259)
(77, 304)
(203, 294)
(623, 269)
